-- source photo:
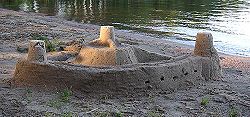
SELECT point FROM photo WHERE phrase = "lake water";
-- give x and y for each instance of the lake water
(177, 20)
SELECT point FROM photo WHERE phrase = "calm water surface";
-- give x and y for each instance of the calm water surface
(178, 20)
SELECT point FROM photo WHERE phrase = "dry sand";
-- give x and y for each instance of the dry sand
(225, 97)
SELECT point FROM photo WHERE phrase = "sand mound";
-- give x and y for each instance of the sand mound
(106, 56)
(105, 51)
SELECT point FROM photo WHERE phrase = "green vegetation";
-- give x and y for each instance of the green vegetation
(50, 45)
(67, 114)
(109, 114)
(63, 97)
(101, 114)
(154, 114)
(49, 114)
(232, 112)
(104, 97)
(118, 114)
(55, 104)
(28, 95)
(204, 101)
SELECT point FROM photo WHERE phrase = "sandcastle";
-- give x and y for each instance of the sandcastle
(106, 66)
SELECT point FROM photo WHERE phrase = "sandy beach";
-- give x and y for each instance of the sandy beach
(225, 97)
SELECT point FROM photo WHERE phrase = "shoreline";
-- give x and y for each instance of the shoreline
(16, 28)
(121, 33)
(155, 36)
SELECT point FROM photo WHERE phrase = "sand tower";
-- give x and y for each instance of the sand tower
(105, 51)
(204, 47)
(37, 51)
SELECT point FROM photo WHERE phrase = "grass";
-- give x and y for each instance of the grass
(67, 114)
(232, 112)
(108, 114)
(154, 114)
(204, 101)
(63, 97)
(49, 114)
(28, 95)
(50, 45)
(118, 114)
(55, 104)
(101, 114)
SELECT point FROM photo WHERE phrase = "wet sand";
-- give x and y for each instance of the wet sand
(226, 96)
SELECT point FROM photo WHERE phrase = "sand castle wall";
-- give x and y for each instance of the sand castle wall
(126, 79)
(110, 68)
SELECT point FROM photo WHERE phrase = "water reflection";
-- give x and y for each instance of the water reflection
(178, 19)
